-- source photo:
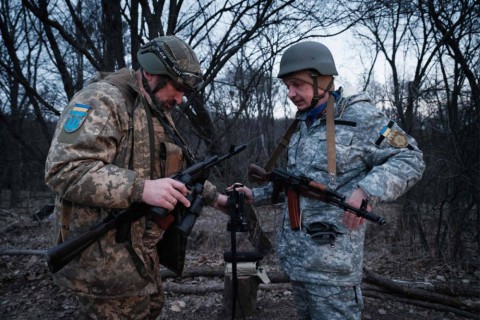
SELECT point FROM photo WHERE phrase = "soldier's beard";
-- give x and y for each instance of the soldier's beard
(157, 104)
(163, 105)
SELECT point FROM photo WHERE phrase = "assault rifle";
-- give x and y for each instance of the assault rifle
(294, 185)
(193, 177)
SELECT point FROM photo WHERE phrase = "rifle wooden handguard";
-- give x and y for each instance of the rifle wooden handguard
(293, 208)
(316, 186)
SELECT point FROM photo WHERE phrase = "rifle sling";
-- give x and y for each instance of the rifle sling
(151, 135)
(281, 145)
(331, 152)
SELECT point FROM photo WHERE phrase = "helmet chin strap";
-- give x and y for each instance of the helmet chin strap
(151, 93)
(317, 97)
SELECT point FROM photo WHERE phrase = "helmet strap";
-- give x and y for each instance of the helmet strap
(316, 96)
(151, 93)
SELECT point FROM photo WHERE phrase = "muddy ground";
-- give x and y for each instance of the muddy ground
(27, 291)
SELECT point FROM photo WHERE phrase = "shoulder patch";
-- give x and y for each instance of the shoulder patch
(76, 117)
(397, 139)
(384, 132)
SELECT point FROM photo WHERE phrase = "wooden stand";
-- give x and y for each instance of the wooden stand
(246, 297)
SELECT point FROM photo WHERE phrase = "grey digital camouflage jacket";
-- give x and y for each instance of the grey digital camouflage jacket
(372, 153)
(102, 132)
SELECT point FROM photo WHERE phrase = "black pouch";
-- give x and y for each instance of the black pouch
(323, 233)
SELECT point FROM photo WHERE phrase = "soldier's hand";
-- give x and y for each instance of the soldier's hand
(351, 220)
(221, 203)
(165, 193)
(245, 190)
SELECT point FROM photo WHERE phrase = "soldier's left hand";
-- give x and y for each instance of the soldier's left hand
(351, 220)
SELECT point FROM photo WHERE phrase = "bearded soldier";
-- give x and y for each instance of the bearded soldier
(116, 145)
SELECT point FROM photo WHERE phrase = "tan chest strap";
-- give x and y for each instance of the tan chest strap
(331, 152)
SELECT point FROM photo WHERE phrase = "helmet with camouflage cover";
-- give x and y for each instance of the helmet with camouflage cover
(172, 57)
(307, 55)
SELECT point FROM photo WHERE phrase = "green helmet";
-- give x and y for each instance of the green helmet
(307, 55)
(172, 57)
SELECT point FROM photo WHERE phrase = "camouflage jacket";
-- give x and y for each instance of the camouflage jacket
(383, 161)
(98, 161)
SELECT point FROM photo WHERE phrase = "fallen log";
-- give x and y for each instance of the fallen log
(8, 226)
(205, 271)
(182, 288)
(418, 294)
(22, 252)
(420, 303)
(450, 289)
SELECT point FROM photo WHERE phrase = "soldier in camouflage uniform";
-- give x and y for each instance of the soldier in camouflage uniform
(109, 152)
(375, 160)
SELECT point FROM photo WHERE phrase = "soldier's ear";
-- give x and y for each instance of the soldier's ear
(147, 75)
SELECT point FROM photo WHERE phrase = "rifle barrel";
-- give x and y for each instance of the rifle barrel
(359, 212)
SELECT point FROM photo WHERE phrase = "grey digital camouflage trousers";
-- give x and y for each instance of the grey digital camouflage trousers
(317, 302)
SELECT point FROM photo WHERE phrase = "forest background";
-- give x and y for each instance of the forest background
(426, 50)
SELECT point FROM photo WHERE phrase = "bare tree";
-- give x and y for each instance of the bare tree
(113, 32)
(457, 124)
(401, 33)
(21, 54)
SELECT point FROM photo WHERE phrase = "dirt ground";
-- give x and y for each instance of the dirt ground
(27, 291)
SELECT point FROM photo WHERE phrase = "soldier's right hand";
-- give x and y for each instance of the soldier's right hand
(245, 190)
(165, 193)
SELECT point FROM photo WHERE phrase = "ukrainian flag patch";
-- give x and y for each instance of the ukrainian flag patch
(76, 117)
(393, 137)
(384, 132)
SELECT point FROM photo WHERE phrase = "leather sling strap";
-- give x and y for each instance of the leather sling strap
(331, 152)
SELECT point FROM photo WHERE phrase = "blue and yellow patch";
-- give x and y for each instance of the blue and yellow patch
(395, 138)
(384, 132)
(76, 117)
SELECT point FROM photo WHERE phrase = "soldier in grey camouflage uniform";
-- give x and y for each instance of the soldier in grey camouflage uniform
(109, 152)
(375, 160)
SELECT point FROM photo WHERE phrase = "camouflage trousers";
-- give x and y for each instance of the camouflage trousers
(318, 302)
(132, 307)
